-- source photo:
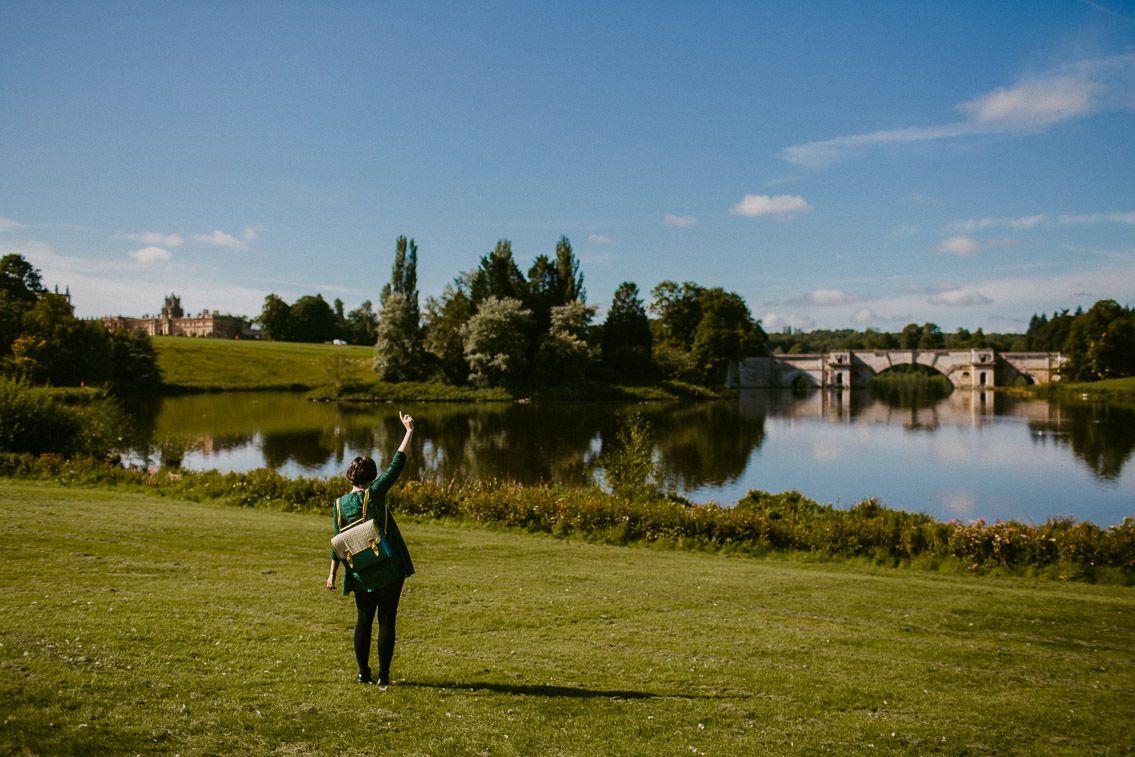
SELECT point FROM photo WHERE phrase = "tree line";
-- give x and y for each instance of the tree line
(497, 325)
(42, 342)
(1099, 343)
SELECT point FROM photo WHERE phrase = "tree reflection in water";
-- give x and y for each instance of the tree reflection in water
(1102, 435)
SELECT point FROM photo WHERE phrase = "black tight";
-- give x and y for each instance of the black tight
(384, 601)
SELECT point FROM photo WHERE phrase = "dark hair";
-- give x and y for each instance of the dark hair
(361, 471)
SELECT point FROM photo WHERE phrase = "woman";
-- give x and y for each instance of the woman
(378, 587)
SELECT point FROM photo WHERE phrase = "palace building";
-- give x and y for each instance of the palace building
(172, 321)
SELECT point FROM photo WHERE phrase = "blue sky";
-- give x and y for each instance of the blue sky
(839, 165)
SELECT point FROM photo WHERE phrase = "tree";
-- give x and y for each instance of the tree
(569, 277)
(1101, 343)
(20, 288)
(58, 348)
(627, 340)
(311, 319)
(544, 291)
(134, 363)
(445, 318)
(404, 277)
(679, 311)
(564, 356)
(398, 348)
(275, 319)
(496, 344)
(362, 324)
(498, 276)
(725, 332)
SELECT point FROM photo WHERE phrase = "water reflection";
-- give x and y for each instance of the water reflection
(1101, 435)
(982, 449)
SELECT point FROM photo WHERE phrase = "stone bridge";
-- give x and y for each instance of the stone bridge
(966, 369)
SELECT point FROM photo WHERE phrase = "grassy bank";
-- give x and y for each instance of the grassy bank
(198, 629)
(344, 373)
(759, 524)
(1121, 389)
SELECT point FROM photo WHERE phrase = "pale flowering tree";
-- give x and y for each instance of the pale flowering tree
(496, 342)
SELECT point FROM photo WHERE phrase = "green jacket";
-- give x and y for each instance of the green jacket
(349, 508)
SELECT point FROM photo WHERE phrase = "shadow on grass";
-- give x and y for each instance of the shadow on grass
(547, 690)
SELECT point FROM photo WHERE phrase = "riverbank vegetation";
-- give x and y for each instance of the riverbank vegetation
(169, 635)
(760, 524)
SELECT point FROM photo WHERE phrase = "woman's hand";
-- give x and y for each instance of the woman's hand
(331, 582)
(407, 421)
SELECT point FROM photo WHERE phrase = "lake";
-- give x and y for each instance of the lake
(966, 456)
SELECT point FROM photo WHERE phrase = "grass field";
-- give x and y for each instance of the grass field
(226, 364)
(137, 625)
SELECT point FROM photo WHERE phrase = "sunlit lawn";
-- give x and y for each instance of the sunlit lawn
(137, 625)
(226, 364)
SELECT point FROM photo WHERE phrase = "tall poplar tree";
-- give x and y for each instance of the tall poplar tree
(398, 350)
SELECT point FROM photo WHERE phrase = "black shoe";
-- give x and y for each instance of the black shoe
(364, 678)
(383, 679)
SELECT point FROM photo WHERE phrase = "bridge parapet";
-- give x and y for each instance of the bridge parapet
(980, 368)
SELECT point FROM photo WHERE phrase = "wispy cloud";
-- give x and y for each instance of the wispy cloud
(1079, 89)
(903, 231)
(778, 322)
(864, 315)
(825, 298)
(221, 239)
(151, 254)
(152, 237)
(960, 298)
(961, 246)
(679, 221)
(971, 225)
(600, 239)
(7, 224)
(783, 206)
(1095, 218)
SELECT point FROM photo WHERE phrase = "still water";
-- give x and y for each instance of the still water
(969, 455)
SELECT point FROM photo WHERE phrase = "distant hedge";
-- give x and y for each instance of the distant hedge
(760, 523)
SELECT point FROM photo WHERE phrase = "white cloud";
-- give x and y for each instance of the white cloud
(1072, 91)
(1098, 218)
(773, 322)
(222, 239)
(151, 254)
(249, 234)
(600, 239)
(960, 298)
(679, 221)
(825, 298)
(980, 224)
(961, 245)
(920, 289)
(1035, 104)
(764, 205)
(7, 224)
(152, 237)
(864, 315)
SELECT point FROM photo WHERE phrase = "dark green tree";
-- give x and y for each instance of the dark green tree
(1101, 343)
(445, 318)
(678, 308)
(20, 288)
(56, 347)
(568, 274)
(627, 341)
(725, 332)
(362, 324)
(311, 319)
(275, 319)
(498, 276)
(134, 363)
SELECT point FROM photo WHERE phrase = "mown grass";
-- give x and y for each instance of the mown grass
(137, 625)
(227, 365)
(1120, 390)
(345, 373)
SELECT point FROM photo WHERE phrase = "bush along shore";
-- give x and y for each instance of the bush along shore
(760, 523)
